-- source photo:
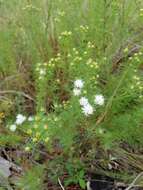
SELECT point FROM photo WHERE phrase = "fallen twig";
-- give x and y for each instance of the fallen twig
(134, 181)
(17, 92)
(61, 184)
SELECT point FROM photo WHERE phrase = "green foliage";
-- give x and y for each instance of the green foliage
(76, 174)
(11, 140)
(45, 47)
(33, 179)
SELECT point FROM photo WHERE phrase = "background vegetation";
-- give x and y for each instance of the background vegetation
(45, 47)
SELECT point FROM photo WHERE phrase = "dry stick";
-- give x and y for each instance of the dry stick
(17, 92)
(8, 78)
(61, 184)
(134, 181)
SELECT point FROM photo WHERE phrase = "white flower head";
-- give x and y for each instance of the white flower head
(76, 91)
(30, 118)
(87, 110)
(83, 101)
(101, 131)
(99, 99)
(78, 83)
(12, 127)
(20, 119)
(42, 72)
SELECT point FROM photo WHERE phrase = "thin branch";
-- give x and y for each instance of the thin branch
(8, 78)
(61, 184)
(134, 181)
(17, 92)
(109, 104)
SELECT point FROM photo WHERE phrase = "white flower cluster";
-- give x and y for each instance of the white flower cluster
(78, 85)
(86, 107)
(99, 100)
(20, 119)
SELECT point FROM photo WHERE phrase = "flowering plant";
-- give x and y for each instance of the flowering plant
(71, 85)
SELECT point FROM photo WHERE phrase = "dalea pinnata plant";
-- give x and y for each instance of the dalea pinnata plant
(73, 72)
